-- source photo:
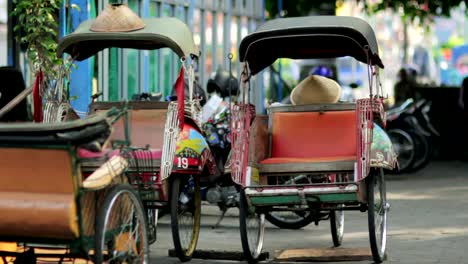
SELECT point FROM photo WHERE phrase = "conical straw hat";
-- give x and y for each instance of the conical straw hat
(316, 89)
(117, 18)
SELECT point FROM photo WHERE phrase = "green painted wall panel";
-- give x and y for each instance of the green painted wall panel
(113, 75)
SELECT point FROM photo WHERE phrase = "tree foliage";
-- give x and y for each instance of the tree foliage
(37, 28)
(422, 11)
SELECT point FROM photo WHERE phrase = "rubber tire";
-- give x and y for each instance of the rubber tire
(101, 215)
(243, 213)
(304, 221)
(410, 139)
(423, 151)
(152, 227)
(337, 238)
(376, 177)
(184, 255)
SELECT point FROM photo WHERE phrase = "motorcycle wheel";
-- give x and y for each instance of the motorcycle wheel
(422, 152)
(289, 219)
(405, 148)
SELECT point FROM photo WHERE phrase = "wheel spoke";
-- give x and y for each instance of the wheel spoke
(185, 215)
(377, 216)
(121, 231)
(252, 230)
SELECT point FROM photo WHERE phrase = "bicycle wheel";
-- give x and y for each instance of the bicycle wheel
(185, 215)
(290, 219)
(377, 214)
(405, 148)
(121, 234)
(152, 216)
(252, 230)
(337, 226)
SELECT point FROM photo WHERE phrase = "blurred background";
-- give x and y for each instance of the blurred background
(425, 38)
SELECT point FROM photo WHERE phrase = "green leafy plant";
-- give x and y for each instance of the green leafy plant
(37, 28)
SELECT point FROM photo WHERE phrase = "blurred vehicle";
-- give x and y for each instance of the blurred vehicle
(412, 134)
(217, 130)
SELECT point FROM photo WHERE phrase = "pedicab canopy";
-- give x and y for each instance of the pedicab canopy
(309, 38)
(117, 26)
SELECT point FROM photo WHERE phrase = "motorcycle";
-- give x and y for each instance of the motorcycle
(411, 131)
(221, 191)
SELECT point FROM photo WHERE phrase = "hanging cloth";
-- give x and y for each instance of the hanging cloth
(180, 92)
(37, 98)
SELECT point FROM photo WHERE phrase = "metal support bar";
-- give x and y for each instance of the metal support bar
(159, 60)
(227, 18)
(174, 57)
(144, 54)
(214, 52)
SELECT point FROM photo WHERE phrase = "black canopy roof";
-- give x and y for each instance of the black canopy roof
(307, 38)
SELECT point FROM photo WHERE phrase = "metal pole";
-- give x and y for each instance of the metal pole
(261, 75)
(405, 41)
(12, 45)
(202, 65)
(144, 54)
(63, 19)
(239, 9)
(280, 83)
(227, 19)
(214, 36)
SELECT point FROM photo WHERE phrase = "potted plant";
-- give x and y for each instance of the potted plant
(37, 30)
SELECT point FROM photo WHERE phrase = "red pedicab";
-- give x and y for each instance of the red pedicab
(318, 155)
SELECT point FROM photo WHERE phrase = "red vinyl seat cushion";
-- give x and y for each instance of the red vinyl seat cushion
(313, 137)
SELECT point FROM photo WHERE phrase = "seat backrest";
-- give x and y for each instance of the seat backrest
(313, 134)
(146, 122)
(146, 127)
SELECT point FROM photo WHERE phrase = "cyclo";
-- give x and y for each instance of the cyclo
(87, 183)
(317, 155)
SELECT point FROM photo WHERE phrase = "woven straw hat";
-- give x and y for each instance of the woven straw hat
(316, 89)
(117, 18)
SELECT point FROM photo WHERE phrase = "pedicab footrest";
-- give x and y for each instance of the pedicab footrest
(323, 254)
(302, 194)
